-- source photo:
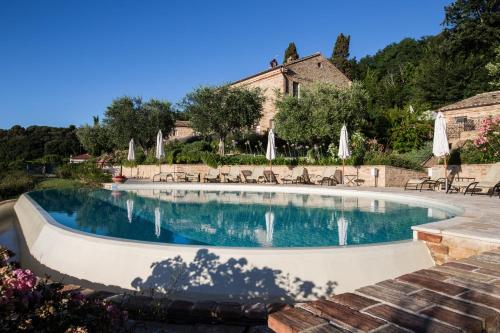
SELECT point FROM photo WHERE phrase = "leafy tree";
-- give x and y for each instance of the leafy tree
(408, 130)
(95, 139)
(493, 69)
(340, 55)
(128, 117)
(291, 53)
(320, 112)
(223, 110)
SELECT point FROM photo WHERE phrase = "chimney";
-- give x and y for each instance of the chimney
(273, 63)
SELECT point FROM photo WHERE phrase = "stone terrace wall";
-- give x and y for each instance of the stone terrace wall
(388, 176)
(477, 171)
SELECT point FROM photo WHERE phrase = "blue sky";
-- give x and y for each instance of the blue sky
(61, 62)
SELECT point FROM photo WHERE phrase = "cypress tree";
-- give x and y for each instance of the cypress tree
(291, 52)
(340, 55)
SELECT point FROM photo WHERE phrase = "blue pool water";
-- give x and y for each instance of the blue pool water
(243, 219)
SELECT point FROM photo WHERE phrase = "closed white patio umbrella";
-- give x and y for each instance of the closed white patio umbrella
(160, 150)
(269, 227)
(157, 222)
(344, 152)
(342, 225)
(131, 153)
(440, 146)
(130, 209)
(271, 149)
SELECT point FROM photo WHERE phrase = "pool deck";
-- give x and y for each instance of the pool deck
(461, 296)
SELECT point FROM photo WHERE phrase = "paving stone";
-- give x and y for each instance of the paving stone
(481, 298)
(327, 329)
(490, 272)
(229, 311)
(432, 274)
(490, 258)
(482, 264)
(273, 307)
(395, 297)
(410, 321)
(450, 271)
(465, 323)
(405, 288)
(343, 316)
(353, 301)
(459, 265)
(490, 317)
(443, 287)
(294, 320)
(488, 288)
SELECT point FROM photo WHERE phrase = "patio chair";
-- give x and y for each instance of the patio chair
(424, 182)
(327, 177)
(179, 176)
(256, 176)
(270, 177)
(193, 177)
(459, 184)
(213, 176)
(489, 185)
(234, 175)
(298, 175)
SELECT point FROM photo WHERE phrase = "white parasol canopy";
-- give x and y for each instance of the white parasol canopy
(160, 150)
(271, 146)
(131, 150)
(130, 209)
(269, 227)
(157, 222)
(440, 147)
(344, 152)
(342, 224)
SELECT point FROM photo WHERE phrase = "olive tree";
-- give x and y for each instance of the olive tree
(223, 110)
(320, 112)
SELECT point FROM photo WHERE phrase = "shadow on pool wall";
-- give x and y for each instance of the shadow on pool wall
(175, 278)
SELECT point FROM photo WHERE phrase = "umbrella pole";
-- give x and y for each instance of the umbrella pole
(445, 174)
(343, 166)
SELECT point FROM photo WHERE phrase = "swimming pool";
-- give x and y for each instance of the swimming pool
(235, 218)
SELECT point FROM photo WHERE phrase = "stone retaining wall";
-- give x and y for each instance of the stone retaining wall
(477, 171)
(387, 176)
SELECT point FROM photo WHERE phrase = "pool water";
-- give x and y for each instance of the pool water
(240, 219)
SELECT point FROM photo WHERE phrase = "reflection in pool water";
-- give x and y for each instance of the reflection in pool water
(243, 219)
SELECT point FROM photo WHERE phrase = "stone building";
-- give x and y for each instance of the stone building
(464, 117)
(182, 131)
(290, 78)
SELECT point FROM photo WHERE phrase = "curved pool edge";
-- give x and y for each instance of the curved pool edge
(242, 274)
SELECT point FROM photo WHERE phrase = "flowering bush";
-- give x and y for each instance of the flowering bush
(31, 304)
(488, 139)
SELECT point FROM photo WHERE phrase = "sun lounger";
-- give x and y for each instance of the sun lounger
(212, 176)
(255, 176)
(234, 175)
(270, 177)
(192, 177)
(330, 176)
(423, 183)
(490, 184)
(298, 175)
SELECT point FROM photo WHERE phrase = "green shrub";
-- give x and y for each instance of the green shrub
(87, 173)
(392, 159)
(14, 183)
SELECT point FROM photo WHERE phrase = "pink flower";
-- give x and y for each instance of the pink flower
(23, 280)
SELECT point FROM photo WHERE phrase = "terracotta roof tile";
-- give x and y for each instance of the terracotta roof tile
(488, 98)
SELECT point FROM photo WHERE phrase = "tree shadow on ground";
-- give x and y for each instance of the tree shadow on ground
(235, 279)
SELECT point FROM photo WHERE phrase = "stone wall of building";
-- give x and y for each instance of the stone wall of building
(270, 83)
(387, 176)
(459, 132)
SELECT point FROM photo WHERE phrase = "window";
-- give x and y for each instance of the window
(286, 86)
(295, 89)
(320, 65)
(461, 120)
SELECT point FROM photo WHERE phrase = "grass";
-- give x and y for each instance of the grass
(57, 183)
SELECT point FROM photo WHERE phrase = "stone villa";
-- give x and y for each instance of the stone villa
(464, 117)
(288, 78)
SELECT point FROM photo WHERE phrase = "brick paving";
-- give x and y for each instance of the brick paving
(459, 296)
